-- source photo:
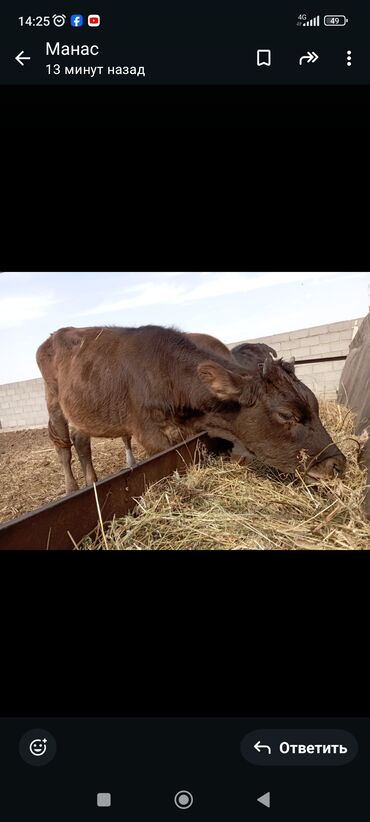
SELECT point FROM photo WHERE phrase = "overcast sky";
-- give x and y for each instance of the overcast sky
(231, 306)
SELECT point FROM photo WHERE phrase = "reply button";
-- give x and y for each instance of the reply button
(299, 747)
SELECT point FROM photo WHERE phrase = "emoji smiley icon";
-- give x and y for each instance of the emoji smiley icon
(38, 747)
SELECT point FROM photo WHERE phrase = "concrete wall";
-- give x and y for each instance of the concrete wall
(320, 341)
(22, 404)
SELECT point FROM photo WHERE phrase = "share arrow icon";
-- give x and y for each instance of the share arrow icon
(311, 57)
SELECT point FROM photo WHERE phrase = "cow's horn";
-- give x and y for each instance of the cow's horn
(267, 366)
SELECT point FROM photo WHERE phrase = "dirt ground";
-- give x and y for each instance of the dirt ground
(31, 475)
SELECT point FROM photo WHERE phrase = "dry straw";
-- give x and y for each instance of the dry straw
(222, 504)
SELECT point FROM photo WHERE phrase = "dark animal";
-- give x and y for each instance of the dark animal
(156, 385)
(354, 391)
(252, 354)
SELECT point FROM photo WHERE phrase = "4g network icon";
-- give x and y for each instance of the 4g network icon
(77, 20)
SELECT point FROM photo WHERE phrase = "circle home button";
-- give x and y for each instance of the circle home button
(183, 800)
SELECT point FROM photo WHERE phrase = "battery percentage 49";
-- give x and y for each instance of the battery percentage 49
(335, 20)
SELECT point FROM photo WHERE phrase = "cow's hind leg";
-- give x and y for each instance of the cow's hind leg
(82, 445)
(59, 434)
(130, 459)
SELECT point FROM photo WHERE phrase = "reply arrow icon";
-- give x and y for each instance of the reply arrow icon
(20, 57)
(259, 747)
(311, 57)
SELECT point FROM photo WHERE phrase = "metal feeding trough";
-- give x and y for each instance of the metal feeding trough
(47, 528)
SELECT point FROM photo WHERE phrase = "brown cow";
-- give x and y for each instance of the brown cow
(153, 383)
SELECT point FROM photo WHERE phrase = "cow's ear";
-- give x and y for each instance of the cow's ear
(221, 382)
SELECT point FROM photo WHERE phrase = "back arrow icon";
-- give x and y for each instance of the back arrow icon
(20, 57)
(311, 57)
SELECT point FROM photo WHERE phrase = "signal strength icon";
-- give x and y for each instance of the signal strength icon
(315, 21)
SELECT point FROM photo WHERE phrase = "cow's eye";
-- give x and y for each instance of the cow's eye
(286, 416)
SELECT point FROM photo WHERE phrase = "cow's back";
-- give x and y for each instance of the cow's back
(108, 379)
(62, 350)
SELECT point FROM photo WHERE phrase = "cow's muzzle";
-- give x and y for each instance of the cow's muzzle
(327, 468)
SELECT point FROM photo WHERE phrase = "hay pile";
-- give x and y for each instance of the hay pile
(221, 504)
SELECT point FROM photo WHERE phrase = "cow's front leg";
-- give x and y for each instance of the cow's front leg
(130, 459)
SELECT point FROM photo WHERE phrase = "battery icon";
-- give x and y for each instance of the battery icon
(335, 20)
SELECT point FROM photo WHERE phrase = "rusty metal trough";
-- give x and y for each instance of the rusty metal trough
(47, 527)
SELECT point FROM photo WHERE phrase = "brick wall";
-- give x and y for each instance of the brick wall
(22, 405)
(320, 341)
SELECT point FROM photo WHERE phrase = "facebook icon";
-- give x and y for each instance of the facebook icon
(76, 20)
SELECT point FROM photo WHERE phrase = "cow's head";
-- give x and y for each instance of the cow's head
(273, 415)
(250, 355)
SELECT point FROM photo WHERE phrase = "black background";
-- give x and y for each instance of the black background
(188, 634)
(188, 107)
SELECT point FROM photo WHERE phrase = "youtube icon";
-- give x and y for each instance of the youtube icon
(93, 20)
